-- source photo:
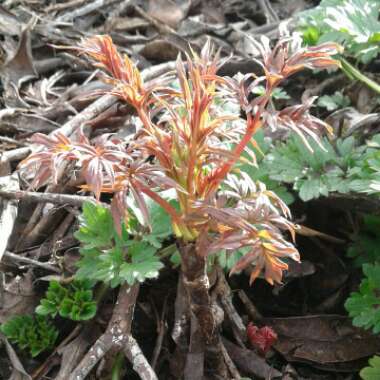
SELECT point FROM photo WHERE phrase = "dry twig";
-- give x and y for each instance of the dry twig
(117, 336)
(28, 261)
(55, 198)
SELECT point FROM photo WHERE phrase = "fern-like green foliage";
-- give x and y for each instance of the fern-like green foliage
(73, 301)
(364, 306)
(340, 166)
(373, 371)
(261, 172)
(31, 334)
(333, 102)
(351, 23)
(114, 259)
(366, 247)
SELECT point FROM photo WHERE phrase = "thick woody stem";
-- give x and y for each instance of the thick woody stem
(205, 346)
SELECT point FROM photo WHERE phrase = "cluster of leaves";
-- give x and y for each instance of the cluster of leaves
(260, 172)
(336, 166)
(351, 23)
(188, 146)
(363, 306)
(32, 334)
(112, 257)
(73, 301)
(333, 102)
(373, 371)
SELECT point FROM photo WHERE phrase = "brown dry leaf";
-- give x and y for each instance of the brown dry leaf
(74, 350)
(169, 12)
(18, 297)
(9, 24)
(213, 11)
(325, 340)
(159, 51)
(20, 67)
(126, 24)
(347, 121)
(18, 372)
(300, 269)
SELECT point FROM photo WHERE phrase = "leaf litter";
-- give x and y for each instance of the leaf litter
(45, 88)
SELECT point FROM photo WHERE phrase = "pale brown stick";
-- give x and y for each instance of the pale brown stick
(136, 357)
(251, 309)
(86, 9)
(161, 329)
(28, 261)
(117, 336)
(54, 198)
(230, 364)
(225, 297)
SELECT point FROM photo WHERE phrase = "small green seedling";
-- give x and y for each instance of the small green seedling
(31, 334)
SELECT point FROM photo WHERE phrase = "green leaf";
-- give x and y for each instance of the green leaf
(311, 35)
(278, 93)
(373, 371)
(353, 23)
(364, 306)
(71, 301)
(342, 166)
(120, 259)
(333, 102)
(34, 335)
(96, 226)
(310, 189)
(160, 222)
(144, 263)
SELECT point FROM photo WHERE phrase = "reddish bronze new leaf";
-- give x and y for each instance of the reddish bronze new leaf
(261, 338)
(47, 163)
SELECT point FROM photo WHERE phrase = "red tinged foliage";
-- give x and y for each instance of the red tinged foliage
(195, 145)
(261, 338)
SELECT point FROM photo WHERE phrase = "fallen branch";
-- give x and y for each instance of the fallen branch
(267, 9)
(55, 198)
(225, 297)
(118, 337)
(15, 154)
(249, 362)
(85, 10)
(26, 260)
(251, 309)
(161, 329)
(230, 364)
(93, 110)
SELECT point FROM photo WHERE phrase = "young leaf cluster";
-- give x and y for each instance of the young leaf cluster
(363, 306)
(186, 145)
(112, 258)
(73, 301)
(32, 334)
(351, 23)
(340, 166)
